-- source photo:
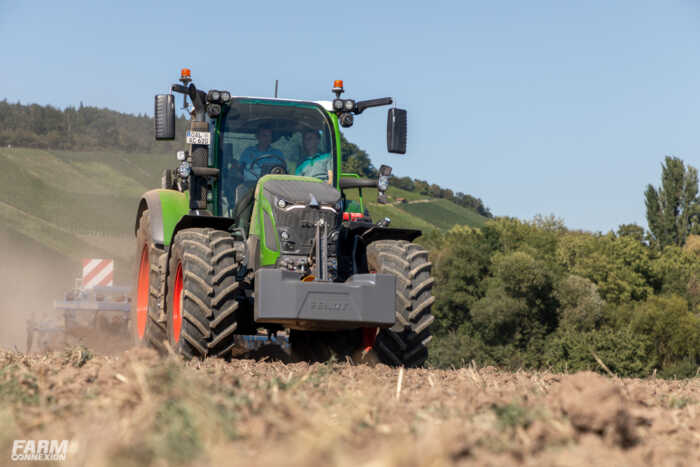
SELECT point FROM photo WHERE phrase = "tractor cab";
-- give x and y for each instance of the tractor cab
(258, 137)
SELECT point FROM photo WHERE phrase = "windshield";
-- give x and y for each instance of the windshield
(259, 138)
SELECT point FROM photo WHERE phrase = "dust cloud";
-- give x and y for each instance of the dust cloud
(32, 276)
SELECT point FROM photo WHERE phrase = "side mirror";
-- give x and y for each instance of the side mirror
(165, 117)
(396, 131)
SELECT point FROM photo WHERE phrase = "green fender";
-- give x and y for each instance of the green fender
(166, 208)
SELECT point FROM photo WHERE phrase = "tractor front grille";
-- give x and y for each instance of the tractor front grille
(299, 223)
(297, 205)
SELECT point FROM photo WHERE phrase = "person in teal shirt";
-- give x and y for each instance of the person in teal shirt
(314, 163)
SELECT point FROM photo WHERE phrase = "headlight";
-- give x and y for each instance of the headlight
(213, 110)
(348, 105)
(181, 155)
(338, 105)
(281, 203)
(184, 169)
(214, 96)
(383, 183)
(346, 120)
(225, 96)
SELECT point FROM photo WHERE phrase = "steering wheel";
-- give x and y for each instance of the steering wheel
(277, 168)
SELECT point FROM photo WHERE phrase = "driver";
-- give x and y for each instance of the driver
(264, 137)
(314, 163)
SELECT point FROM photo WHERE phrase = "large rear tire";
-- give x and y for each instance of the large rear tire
(205, 301)
(405, 343)
(147, 321)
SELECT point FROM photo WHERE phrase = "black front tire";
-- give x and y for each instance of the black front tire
(207, 305)
(405, 343)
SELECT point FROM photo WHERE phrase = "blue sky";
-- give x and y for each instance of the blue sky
(540, 107)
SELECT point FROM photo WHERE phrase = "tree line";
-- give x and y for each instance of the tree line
(80, 128)
(534, 294)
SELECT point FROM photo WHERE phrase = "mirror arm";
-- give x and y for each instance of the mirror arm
(205, 171)
(179, 88)
(198, 98)
(348, 182)
(362, 105)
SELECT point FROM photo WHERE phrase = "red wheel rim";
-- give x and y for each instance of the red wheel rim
(142, 293)
(177, 304)
(369, 336)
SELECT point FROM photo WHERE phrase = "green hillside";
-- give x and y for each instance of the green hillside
(418, 211)
(76, 204)
(444, 214)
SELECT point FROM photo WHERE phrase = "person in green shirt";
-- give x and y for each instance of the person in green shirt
(313, 163)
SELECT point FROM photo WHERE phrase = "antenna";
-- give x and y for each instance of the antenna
(277, 82)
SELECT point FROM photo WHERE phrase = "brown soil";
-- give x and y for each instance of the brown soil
(136, 408)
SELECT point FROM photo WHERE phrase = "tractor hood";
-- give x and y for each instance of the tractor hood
(302, 191)
(287, 209)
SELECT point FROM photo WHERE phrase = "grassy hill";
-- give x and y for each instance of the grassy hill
(418, 211)
(83, 204)
(76, 204)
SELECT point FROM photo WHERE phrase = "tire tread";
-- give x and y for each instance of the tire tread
(405, 343)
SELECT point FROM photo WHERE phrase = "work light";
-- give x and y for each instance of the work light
(213, 110)
(346, 120)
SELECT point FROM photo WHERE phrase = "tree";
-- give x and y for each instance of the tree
(421, 186)
(355, 160)
(405, 183)
(462, 258)
(673, 210)
(631, 230)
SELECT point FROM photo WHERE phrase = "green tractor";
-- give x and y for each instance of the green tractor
(253, 232)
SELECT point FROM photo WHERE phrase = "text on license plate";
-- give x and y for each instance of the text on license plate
(197, 137)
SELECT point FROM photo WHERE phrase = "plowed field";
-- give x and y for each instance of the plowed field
(138, 408)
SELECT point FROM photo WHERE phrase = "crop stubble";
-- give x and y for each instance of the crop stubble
(137, 408)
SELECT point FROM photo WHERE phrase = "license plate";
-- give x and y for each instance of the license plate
(197, 137)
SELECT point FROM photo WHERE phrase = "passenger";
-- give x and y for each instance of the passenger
(314, 163)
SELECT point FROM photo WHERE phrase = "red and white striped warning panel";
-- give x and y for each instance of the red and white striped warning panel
(98, 272)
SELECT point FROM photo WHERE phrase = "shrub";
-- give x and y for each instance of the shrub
(456, 349)
(674, 332)
(581, 307)
(462, 261)
(624, 352)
